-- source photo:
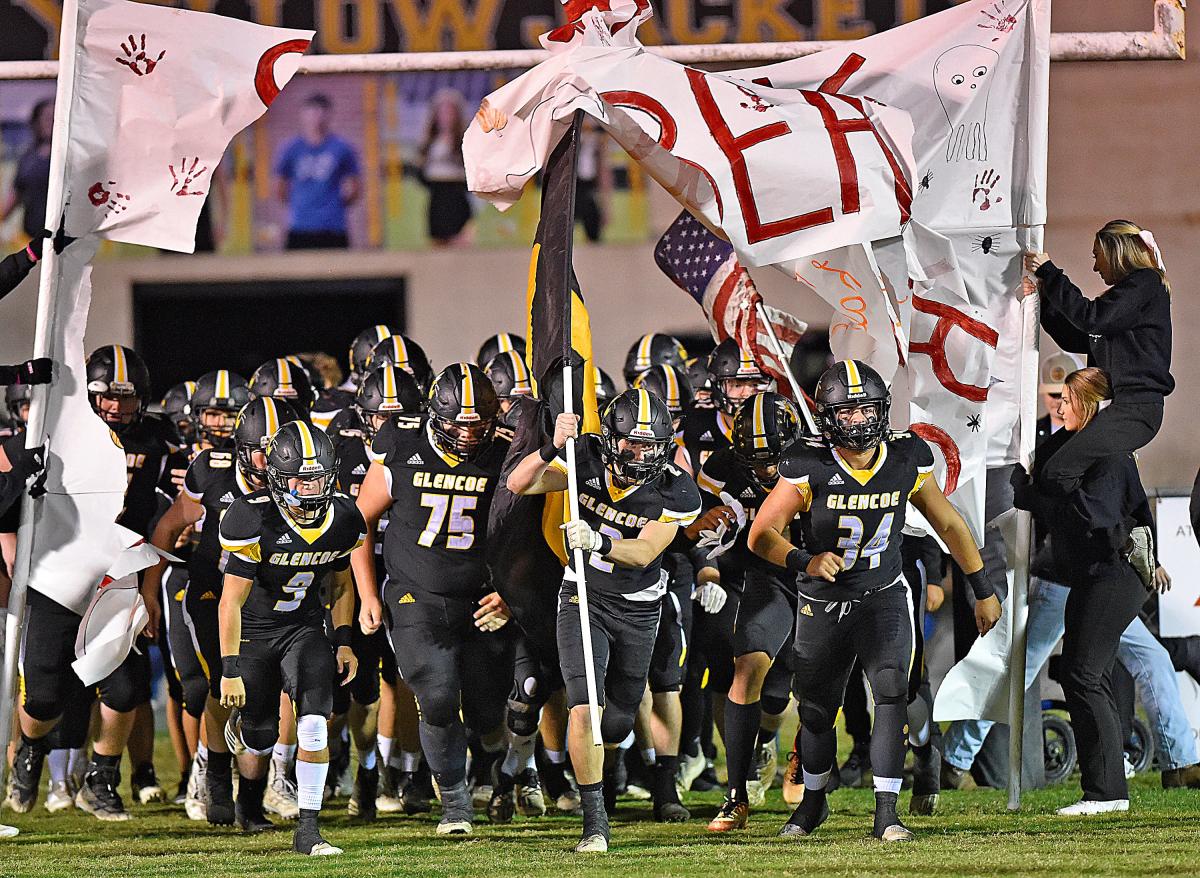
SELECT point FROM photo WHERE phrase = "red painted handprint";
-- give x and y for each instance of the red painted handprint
(113, 202)
(186, 176)
(984, 184)
(136, 58)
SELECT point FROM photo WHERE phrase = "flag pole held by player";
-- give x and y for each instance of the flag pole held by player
(578, 560)
(777, 349)
(49, 282)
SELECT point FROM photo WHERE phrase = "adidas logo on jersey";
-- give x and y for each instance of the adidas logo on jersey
(749, 493)
(360, 470)
(227, 497)
(284, 540)
(208, 596)
(573, 599)
(836, 479)
(416, 460)
(407, 599)
(706, 436)
(806, 610)
(594, 483)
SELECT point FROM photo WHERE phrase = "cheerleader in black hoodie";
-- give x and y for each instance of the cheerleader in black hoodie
(1088, 532)
(1126, 331)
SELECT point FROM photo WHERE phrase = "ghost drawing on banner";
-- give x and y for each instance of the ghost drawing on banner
(962, 77)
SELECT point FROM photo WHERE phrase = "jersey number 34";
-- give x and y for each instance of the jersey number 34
(853, 544)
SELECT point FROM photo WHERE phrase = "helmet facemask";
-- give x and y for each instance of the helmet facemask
(215, 424)
(466, 437)
(640, 461)
(119, 409)
(305, 497)
(745, 386)
(257, 475)
(841, 430)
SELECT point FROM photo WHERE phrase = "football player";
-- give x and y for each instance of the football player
(701, 381)
(119, 388)
(850, 489)
(360, 353)
(213, 481)
(510, 378)
(282, 542)
(406, 354)
(736, 377)
(215, 404)
(283, 379)
(435, 479)
(606, 389)
(741, 476)
(174, 407)
(384, 394)
(650, 350)
(500, 343)
(632, 503)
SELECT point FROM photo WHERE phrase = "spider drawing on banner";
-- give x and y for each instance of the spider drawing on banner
(985, 244)
(962, 78)
(975, 423)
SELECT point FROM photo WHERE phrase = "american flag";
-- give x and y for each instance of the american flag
(707, 269)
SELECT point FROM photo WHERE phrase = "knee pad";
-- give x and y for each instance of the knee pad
(41, 709)
(195, 695)
(815, 717)
(259, 737)
(312, 733)
(918, 714)
(121, 694)
(439, 710)
(522, 718)
(773, 704)
(616, 722)
(889, 686)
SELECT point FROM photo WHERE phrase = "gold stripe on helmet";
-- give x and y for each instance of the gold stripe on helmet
(389, 382)
(120, 369)
(285, 375)
(853, 379)
(381, 332)
(221, 391)
(468, 391)
(673, 400)
(643, 415)
(643, 351)
(760, 421)
(272, 414)
(400, 351)
(306, 440)
(504, 342)
(191, 388)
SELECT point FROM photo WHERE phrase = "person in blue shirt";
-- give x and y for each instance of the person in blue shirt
(319, 178)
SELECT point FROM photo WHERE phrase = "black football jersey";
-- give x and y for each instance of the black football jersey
(705, 431)
(214, 481)
(620, 514)
(287, 562)
(436, 536)
(150, 454)
(330, 402)
(722, 473)
(858, 514)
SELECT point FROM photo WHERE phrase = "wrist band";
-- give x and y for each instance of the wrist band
(33, 257)
(341, 635)
(548, 452)
(606, 545)
(231, 666)
(980, 585)
(797, 560)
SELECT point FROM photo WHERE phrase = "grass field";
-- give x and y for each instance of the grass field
(973, 834)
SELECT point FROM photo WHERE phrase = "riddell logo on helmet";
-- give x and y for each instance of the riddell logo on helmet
(313, 467)
(641, 433)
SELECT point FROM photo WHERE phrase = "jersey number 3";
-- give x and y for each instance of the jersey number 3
(298, 587)
(852, 542)
(460, 532)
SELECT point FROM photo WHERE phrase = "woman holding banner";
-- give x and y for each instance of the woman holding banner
(1088, 536)
(1126, 331)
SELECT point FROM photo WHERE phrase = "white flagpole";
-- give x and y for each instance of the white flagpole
(580, 580)
(44, 333)
(777, 350)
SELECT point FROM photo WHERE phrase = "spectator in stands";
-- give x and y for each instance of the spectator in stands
(33, 173)
(442, 169)
(1126, 331)
(319, 178)
(1088, 532)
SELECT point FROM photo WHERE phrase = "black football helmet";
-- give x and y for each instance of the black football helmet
(848, 385)
(406, 354)
(701, 381)
(499, 343)
(636, 416)
(765, 425)
(174, 407)
(361, 347)
(118, 374)
(651, 349)
(214, 405)
(668, 384)
(462, 410)
(299, 451)
(16, 401)
(606, 388)
(385, 392)
(509, 375)
(730, 362)
(256, 423)
(283, 379)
